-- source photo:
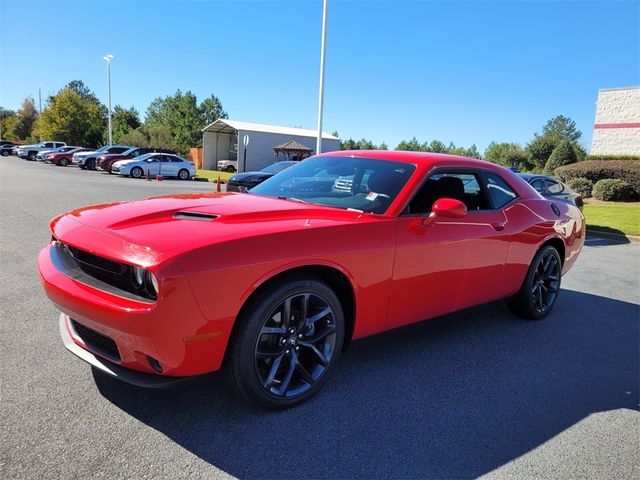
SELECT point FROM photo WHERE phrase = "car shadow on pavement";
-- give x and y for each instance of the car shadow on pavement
(454, 397)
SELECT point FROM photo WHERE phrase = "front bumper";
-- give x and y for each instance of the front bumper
(171, 331)
(140, 379)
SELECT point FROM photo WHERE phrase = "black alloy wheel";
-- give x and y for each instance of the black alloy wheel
(287, 343)
(91, 164)
(541, 287)
(32, 156)
(63, 162)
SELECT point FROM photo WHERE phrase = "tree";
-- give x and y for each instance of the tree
(20, 126)
(124, 120)
(211, 110)
(508, 155)
(136, 138)
(563, 154)
(412, 145)
(539, 150)
(181, 117)
(562, 127)
(362, 144)
(75, 116)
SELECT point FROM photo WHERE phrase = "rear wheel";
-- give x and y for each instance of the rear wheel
(136, 172)
(541, 286)
(230, 169)
(5, 153)
(183, 174)
(32, 156)
(286, 343)
(63, 162)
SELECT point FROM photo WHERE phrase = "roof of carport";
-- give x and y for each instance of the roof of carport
(229, 126)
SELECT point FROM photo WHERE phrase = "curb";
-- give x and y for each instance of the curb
(613, 236)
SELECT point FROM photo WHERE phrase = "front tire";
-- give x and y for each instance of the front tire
(91, 164)
(31, 156)
(5, 153)
(286, 343)
(63, 162)
(230, 169)
(183, 174)
(541, 286)
(136, 172)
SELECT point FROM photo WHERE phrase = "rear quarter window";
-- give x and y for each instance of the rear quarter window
(500, 192)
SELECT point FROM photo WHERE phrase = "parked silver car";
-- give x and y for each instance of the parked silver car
(154, 164)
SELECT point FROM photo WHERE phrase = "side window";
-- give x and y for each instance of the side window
(460, 186)
(554, 187)
(538, 185)
(48, 145)
(500, 191)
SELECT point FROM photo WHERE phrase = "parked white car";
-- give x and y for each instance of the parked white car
(228, 166)
(31, 151)
(154, 164)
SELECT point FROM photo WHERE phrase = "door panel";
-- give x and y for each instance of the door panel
(453, 264)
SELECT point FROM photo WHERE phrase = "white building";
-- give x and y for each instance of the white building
(616, 130)
(224, 140)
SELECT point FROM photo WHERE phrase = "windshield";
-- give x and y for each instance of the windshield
(277, 167)
(343, 182)
(103, 149)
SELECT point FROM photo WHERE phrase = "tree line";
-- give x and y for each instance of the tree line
(75, 115)
(559, 135)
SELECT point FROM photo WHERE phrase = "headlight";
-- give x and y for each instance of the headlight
(152, 284)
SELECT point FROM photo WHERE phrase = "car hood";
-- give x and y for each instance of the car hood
(159, 228)
(119, 163)
(250, 176)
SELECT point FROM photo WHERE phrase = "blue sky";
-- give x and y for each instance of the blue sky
(467, 72)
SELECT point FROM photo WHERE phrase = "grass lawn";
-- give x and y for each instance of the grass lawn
(213, 174)
(614, 217)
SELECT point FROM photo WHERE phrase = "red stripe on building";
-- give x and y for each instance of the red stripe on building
(617, 125)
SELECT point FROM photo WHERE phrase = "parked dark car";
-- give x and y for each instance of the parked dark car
(553, 189)
(244, 181)
(6, 148)
(106, 160)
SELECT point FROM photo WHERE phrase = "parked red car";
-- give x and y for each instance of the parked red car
(105, 161)
(274, 284)
(62, 159)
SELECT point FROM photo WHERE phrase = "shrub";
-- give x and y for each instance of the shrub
(612, 157)
(594, 170)
(614, 189)
(563, 154)
(581, 185)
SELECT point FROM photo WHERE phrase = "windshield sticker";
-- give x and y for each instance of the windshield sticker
(372, 196)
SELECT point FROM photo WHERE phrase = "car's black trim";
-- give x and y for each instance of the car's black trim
(140, 379)
(65, 263)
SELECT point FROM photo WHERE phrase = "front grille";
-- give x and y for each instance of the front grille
(116, 274)
(96, 341)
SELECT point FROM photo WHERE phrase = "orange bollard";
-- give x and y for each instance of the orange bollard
(218, 185)
(148, 176)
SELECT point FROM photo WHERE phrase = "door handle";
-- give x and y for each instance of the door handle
(498, 226)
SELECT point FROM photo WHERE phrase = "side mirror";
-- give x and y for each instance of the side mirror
(443, 207)
(447, 208)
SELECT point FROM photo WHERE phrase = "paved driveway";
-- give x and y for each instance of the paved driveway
(475, 393)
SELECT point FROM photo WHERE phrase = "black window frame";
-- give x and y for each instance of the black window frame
(548, 182)
(480, 175)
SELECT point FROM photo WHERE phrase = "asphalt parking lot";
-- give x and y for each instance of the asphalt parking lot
(475, 393)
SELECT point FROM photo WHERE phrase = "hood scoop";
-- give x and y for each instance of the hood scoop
(203, 217)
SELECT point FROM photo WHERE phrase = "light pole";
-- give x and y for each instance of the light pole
(321, 89)
(40, 104)
(108, 59)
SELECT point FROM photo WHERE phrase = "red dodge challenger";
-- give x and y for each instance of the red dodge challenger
(272, 285)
